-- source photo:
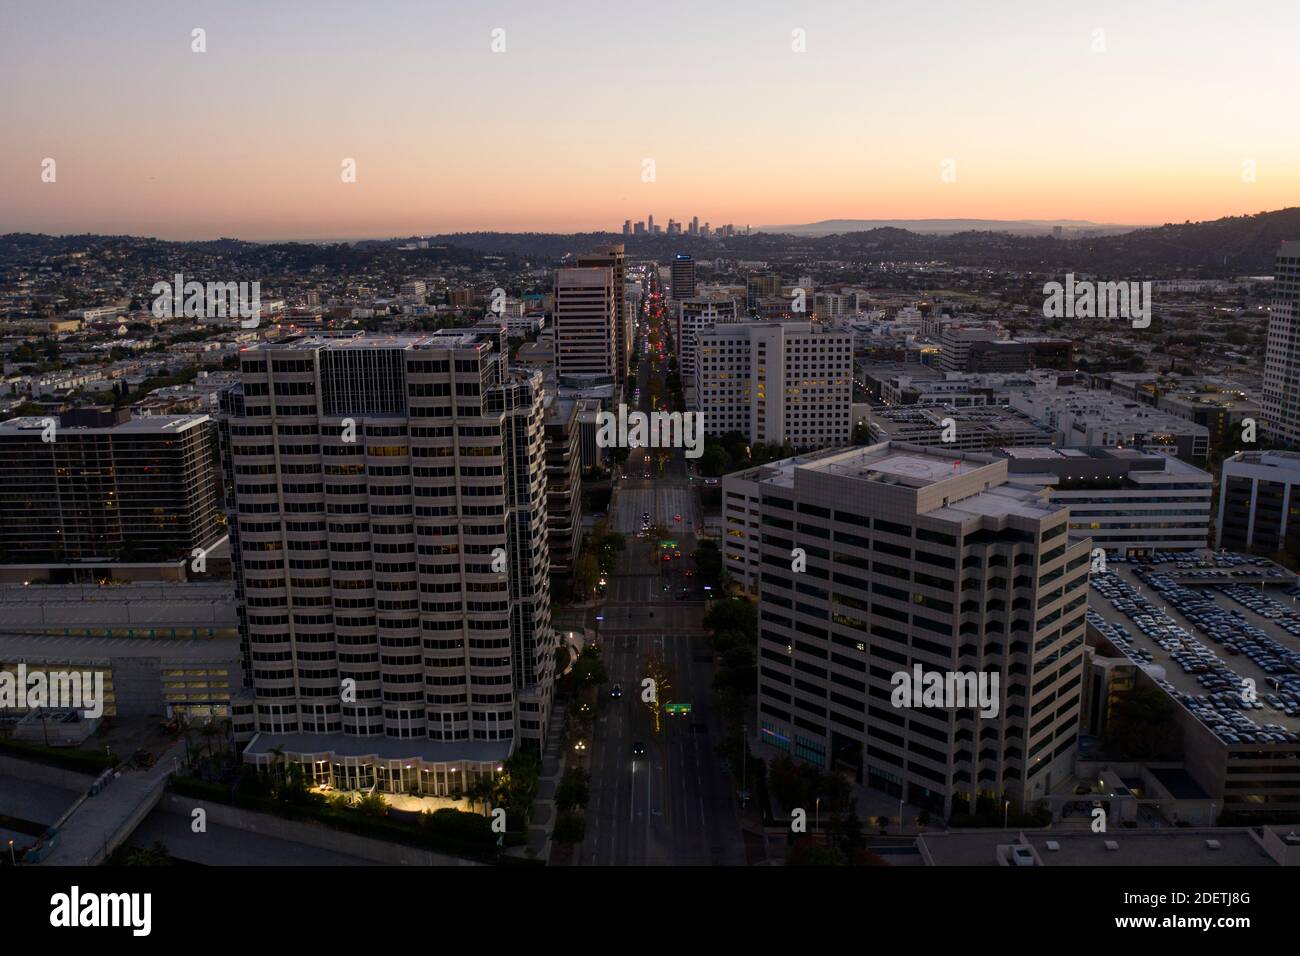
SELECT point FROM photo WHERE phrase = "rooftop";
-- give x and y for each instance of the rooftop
(141, 425)
(34, 648)
(1165, 847)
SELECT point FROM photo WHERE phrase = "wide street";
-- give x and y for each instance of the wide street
(674, 805)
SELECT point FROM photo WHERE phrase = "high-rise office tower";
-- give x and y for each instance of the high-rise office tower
(627, 227)
(94, 487)
(695, 225)
(776, 383)
(916, 560)
(563, 481)
(650, 223)
(585, 323)
(612, 256)
(388, 529)
(638, 228)
(683, 277)
(1281, 399)
(694, 316)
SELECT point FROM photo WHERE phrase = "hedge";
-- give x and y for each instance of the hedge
(81, 761)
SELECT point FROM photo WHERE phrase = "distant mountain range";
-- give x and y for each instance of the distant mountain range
(1233, 246)
(1017, 227)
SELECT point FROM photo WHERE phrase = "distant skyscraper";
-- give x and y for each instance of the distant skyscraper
(1281, 398)
(695, 225)
(627, 227)
(638, 229)
(388, 530)
(586, 313)
(650, 223)
(683, 277)
(612, 257)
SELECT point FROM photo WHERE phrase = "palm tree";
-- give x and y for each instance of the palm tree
(481, 789)
(208, 732)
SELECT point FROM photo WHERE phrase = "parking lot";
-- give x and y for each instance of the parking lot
(1229, 654)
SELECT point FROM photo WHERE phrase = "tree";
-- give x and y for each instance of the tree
(1142, 726)
(714, 462)
(848, 831)
(656, 697)
(574, 790)
(733, 614)
(708, 563)
(590, 669)
(586, 572)
(480, 791)
(372, 804)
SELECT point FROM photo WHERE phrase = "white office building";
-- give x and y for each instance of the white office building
(776, 382)
(1124, 499)
(693, 317)
(913, 558)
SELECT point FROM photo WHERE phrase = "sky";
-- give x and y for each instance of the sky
(1163, 111)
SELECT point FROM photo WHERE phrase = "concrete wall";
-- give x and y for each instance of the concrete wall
(42, 773)
(311, 834)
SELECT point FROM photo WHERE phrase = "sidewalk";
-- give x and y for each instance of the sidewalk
(544, 810)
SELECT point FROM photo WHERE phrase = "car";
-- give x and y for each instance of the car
(616, 691)
(638, 748)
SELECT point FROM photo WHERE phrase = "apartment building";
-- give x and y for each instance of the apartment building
(912, 558)
(388, 528)
(1281, 398)
(1259, 502)
(93, 488)
(1125, 499)
(776, 382)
